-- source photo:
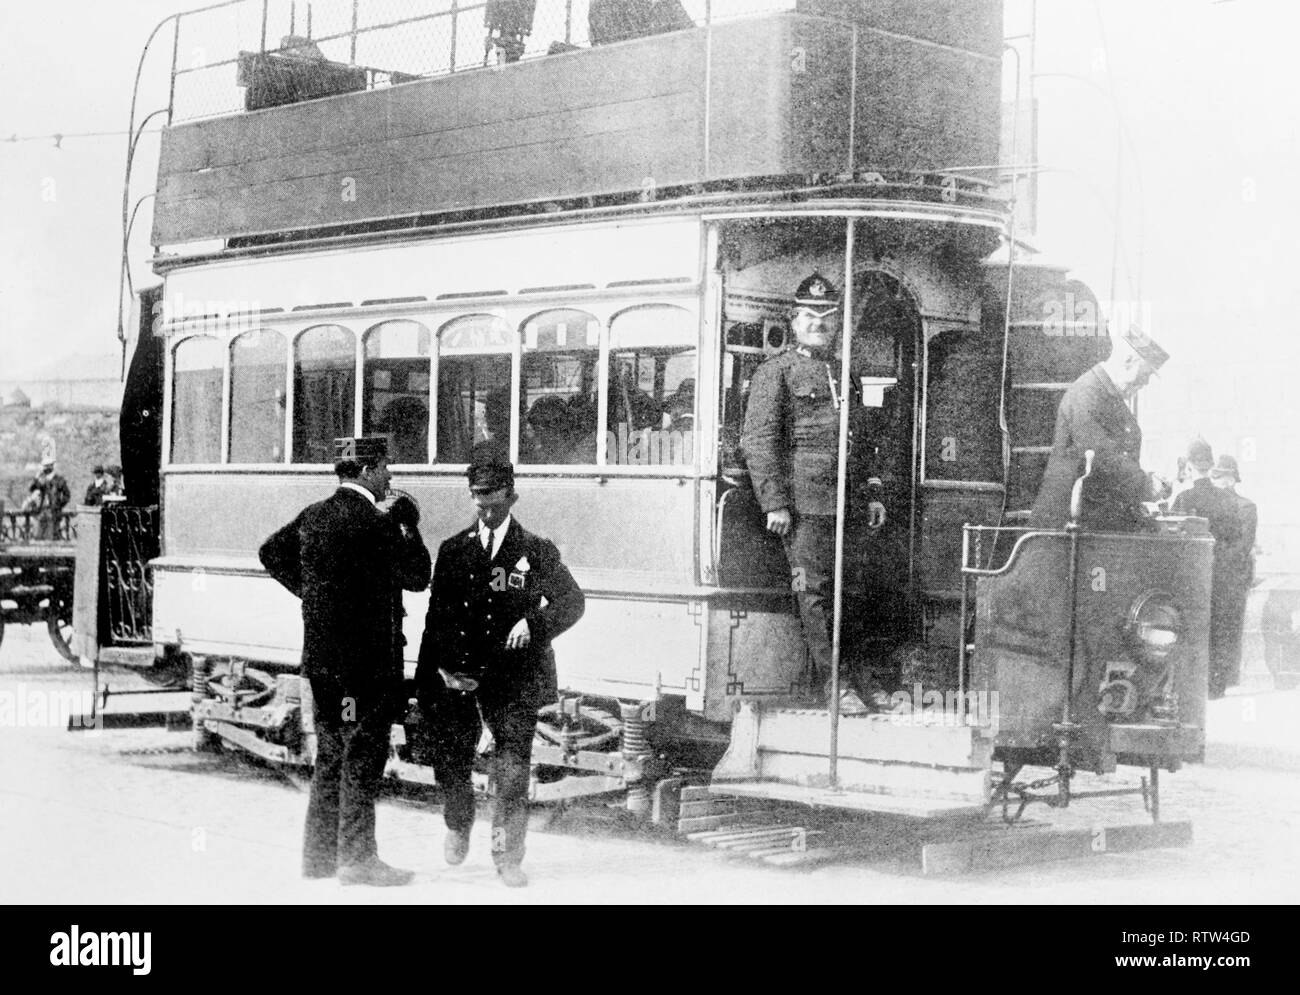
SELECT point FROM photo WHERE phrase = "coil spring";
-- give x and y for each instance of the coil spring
(636, 741)
(200, 668)
(636, 744)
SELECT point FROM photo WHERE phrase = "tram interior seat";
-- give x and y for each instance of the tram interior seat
(610, 21)
(297, 71)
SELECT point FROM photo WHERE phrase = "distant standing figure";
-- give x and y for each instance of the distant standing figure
(98, 486)
(500, 595)
(1094, 414)
(1219, 507)
(349, 563)
(54, 497)
(1239, 567)
(116, 491)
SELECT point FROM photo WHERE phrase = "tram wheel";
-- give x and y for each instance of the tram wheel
(58, 622)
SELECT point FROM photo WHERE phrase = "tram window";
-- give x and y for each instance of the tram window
(257, 401)
(324, 391)
(963, 441)
(559, 384)
(396, 369)
(652, 386)
(197, 366)
(473, 385)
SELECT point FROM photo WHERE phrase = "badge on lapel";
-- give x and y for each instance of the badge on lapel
(519, 573)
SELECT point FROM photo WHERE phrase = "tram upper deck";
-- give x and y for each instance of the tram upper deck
(334, 146)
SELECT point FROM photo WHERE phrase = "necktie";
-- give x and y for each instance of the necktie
(487, 541)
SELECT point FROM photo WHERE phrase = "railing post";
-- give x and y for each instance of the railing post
(353, 54)
(455, 19)
(264, 15)
(171, 89)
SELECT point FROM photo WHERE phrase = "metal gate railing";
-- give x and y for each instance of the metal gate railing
(130, 538)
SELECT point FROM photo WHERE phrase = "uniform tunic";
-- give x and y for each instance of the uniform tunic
(475, 601)
(1219, 507)
(348, 562)
(790, 442)
(1093, 415)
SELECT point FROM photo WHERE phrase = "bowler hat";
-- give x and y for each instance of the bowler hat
(1226, 466)
(817, 294)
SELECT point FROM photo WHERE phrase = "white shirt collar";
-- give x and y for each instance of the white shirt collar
(498, 534)
(360, 490)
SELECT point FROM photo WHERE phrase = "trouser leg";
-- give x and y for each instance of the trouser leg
(512, 729)
(810, 549)
(455, 727)
(321, 834)
(365, 752)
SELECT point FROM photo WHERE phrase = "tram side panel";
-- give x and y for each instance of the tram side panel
(1141, 631)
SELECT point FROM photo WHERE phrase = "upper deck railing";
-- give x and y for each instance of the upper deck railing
(249, 54)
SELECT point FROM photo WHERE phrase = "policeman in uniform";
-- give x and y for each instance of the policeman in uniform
(500, 595)
(790, 441)
(1220, 509)
(1094, 414)
(1239, 566)
(349, 563)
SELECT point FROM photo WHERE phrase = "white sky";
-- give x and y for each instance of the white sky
(1208, 201)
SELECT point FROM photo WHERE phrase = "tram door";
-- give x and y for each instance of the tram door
(878, 590)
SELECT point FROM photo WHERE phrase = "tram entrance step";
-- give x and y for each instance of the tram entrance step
(919, 769)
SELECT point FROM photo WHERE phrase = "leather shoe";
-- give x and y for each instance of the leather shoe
(512, 876)
(314, 873)
(374, 872)
(455, 847)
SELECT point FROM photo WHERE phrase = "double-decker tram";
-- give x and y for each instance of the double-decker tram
(584, 257)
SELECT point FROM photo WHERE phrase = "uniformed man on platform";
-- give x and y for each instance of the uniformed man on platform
(1094, 414)
(349, 563)
(790, 442)
(500, 595)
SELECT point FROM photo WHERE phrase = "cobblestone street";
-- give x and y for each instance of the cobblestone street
(137, 817)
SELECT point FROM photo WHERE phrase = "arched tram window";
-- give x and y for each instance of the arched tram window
(395, 394)
(257, 401)
(197, 366)
(324, 391)
(473, 385)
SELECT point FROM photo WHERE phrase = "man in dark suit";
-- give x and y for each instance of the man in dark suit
(1219, 508)
(500, 595)
(1239, 567)
(1094, 414)
(349, 562)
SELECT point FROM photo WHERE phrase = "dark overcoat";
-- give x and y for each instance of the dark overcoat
(349, 563)
(1093, 415)
(477, 599)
